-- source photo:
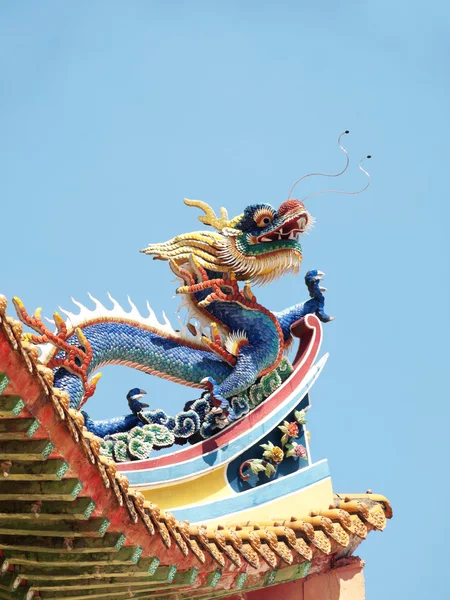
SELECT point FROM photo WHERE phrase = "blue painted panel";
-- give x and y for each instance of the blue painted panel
(288, 466)
(257, 496)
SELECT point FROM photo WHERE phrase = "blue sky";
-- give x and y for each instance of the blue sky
(112, 112)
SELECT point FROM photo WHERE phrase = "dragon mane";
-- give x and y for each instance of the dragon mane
(224, 250)
(206, 246)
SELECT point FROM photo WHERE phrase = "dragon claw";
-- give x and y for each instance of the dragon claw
(222, 422)
(312, 280)
(322, 316)
(221, 403)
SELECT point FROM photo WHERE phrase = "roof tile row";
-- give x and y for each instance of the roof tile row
(272, 543)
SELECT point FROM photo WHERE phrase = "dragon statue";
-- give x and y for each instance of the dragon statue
(237, 365)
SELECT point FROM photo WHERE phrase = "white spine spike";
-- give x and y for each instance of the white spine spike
(98, 304)
(134, 311)
(116, 305)
(167, 323)
(183, 331)
(80, 306)
(63, 311)
(71, 316)
(151, 313)
(100, 312)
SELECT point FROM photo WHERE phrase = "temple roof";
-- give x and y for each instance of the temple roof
(72, 527)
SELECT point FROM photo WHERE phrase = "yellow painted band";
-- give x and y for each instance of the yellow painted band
(206, 488)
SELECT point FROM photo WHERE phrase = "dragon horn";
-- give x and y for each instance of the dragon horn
(210, 217)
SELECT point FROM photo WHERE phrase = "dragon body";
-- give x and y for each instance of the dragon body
(245, 345)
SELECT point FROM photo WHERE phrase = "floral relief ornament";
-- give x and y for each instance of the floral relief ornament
(274, 455)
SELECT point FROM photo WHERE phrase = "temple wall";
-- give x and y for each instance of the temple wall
(345, 583)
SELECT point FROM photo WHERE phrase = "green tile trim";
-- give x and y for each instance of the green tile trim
(62, 471)
(154, 565)
(77, 489)
(4, 381)
(89, 509)
(270, 577)
(18, 407)
(213, 578)
(11, 406)
(240, 580)
(120, 542)
(302, 570)
(192, 575)
(172, 572)
(48, 449)
(136, 554)
(33, 428)
(104, 526)
(291, 573)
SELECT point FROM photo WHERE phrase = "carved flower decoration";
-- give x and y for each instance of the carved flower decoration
(300, 417)
(277, 454)
(274, 455)
(300, 451)
(257, 464)
(292, 430)
(297, 450)
(289, 430)
(271, 452)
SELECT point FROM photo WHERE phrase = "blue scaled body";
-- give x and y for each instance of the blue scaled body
(120, 343)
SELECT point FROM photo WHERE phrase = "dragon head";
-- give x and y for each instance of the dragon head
(259, 245)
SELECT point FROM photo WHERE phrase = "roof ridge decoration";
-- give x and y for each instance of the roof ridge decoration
(67, 471)
(237, 366)
(263, 245)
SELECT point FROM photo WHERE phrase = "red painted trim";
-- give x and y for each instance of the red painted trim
(309, 331)
(25, 384)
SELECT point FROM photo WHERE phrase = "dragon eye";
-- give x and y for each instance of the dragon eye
(263, 217)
